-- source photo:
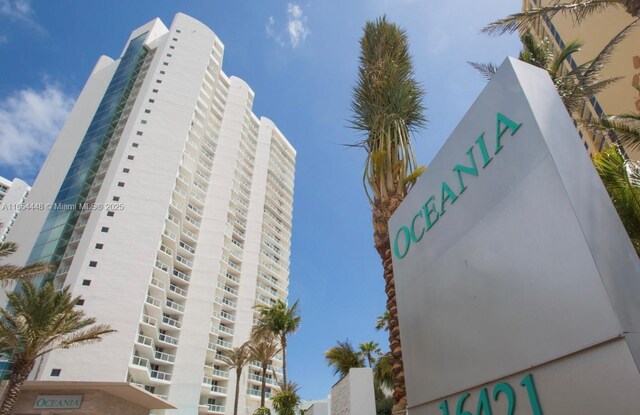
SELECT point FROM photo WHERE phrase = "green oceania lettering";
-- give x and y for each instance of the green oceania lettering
(429, 211)
(508, 125)
(483, 151)
(429, 208)
(415, 238)
(447, 194)
(459, 169)
(407, 242)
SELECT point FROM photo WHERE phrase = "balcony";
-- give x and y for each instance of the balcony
(224, 344)
(215, 409)
(181, 275)
(171, 322)
(167, 339)
(220, 373)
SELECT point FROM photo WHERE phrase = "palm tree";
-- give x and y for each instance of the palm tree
(577, 10)
(386, 107)
(343, 357)
(37, 322)
(280, 321)
(573, 85)
(368, 350)
(263, 350)
(15, 273)
(383, 371)
(382, 321)
(237, 358)
(621, 178)
(286, 401)
(626, 128)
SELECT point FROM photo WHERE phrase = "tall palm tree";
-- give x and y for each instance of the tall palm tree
(15, 273)
(287, 399)
(37, 322)
(343, 357)
(577, 10)
(387, 107)
(280, 321)
(237, 358)
(263, 350)
(621, 178)
(368, 350)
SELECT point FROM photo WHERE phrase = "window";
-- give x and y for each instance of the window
(120, 184)
(129, 157)
(93, 264)
(110, 213)
(175, 39)
(149, 111)
(172, 47)
(165, 63)
(158, 81)
(155, 91)
(152, 100)
(168, 55)
(86, 282)
(116, 198)
(178, 31)
(143, 121)
(80, 302)
(139, 133)
(104, 229)
(99, 246)
(126, 170)
(162, 72)
(55, 372)
(135, 145)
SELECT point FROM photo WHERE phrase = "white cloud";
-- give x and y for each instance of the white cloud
(271, 33)
(297, 25)
(296, 29)
(20, 10)
(30, 120)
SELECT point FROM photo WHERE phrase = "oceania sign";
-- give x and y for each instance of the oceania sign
(435, 207)
(58, 401)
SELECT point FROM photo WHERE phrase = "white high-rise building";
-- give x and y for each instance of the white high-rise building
(185, 223)
(12, 197)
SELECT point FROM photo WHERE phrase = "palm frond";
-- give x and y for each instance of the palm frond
(621, 184)
(487, 70)
(576, 10)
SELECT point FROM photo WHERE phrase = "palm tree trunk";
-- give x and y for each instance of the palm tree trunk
(382, 211)
(283, 341)
(263, 386)
(235, 403)
(632, 7)
(18, 377)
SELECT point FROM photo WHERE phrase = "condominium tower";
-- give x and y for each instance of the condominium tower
(595, 32)
(12, 197)
(184, 223)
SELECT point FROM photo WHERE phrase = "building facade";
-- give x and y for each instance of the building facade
(595, 33)
(171, 216)
(12, 197)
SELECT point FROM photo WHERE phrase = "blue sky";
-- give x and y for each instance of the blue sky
(300, 58)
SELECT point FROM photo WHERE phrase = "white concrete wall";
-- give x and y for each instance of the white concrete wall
(353, 394)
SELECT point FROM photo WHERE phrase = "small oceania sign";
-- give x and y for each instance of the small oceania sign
(428, 214)
(58, 401)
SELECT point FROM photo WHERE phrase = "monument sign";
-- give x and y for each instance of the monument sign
(518, 289)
